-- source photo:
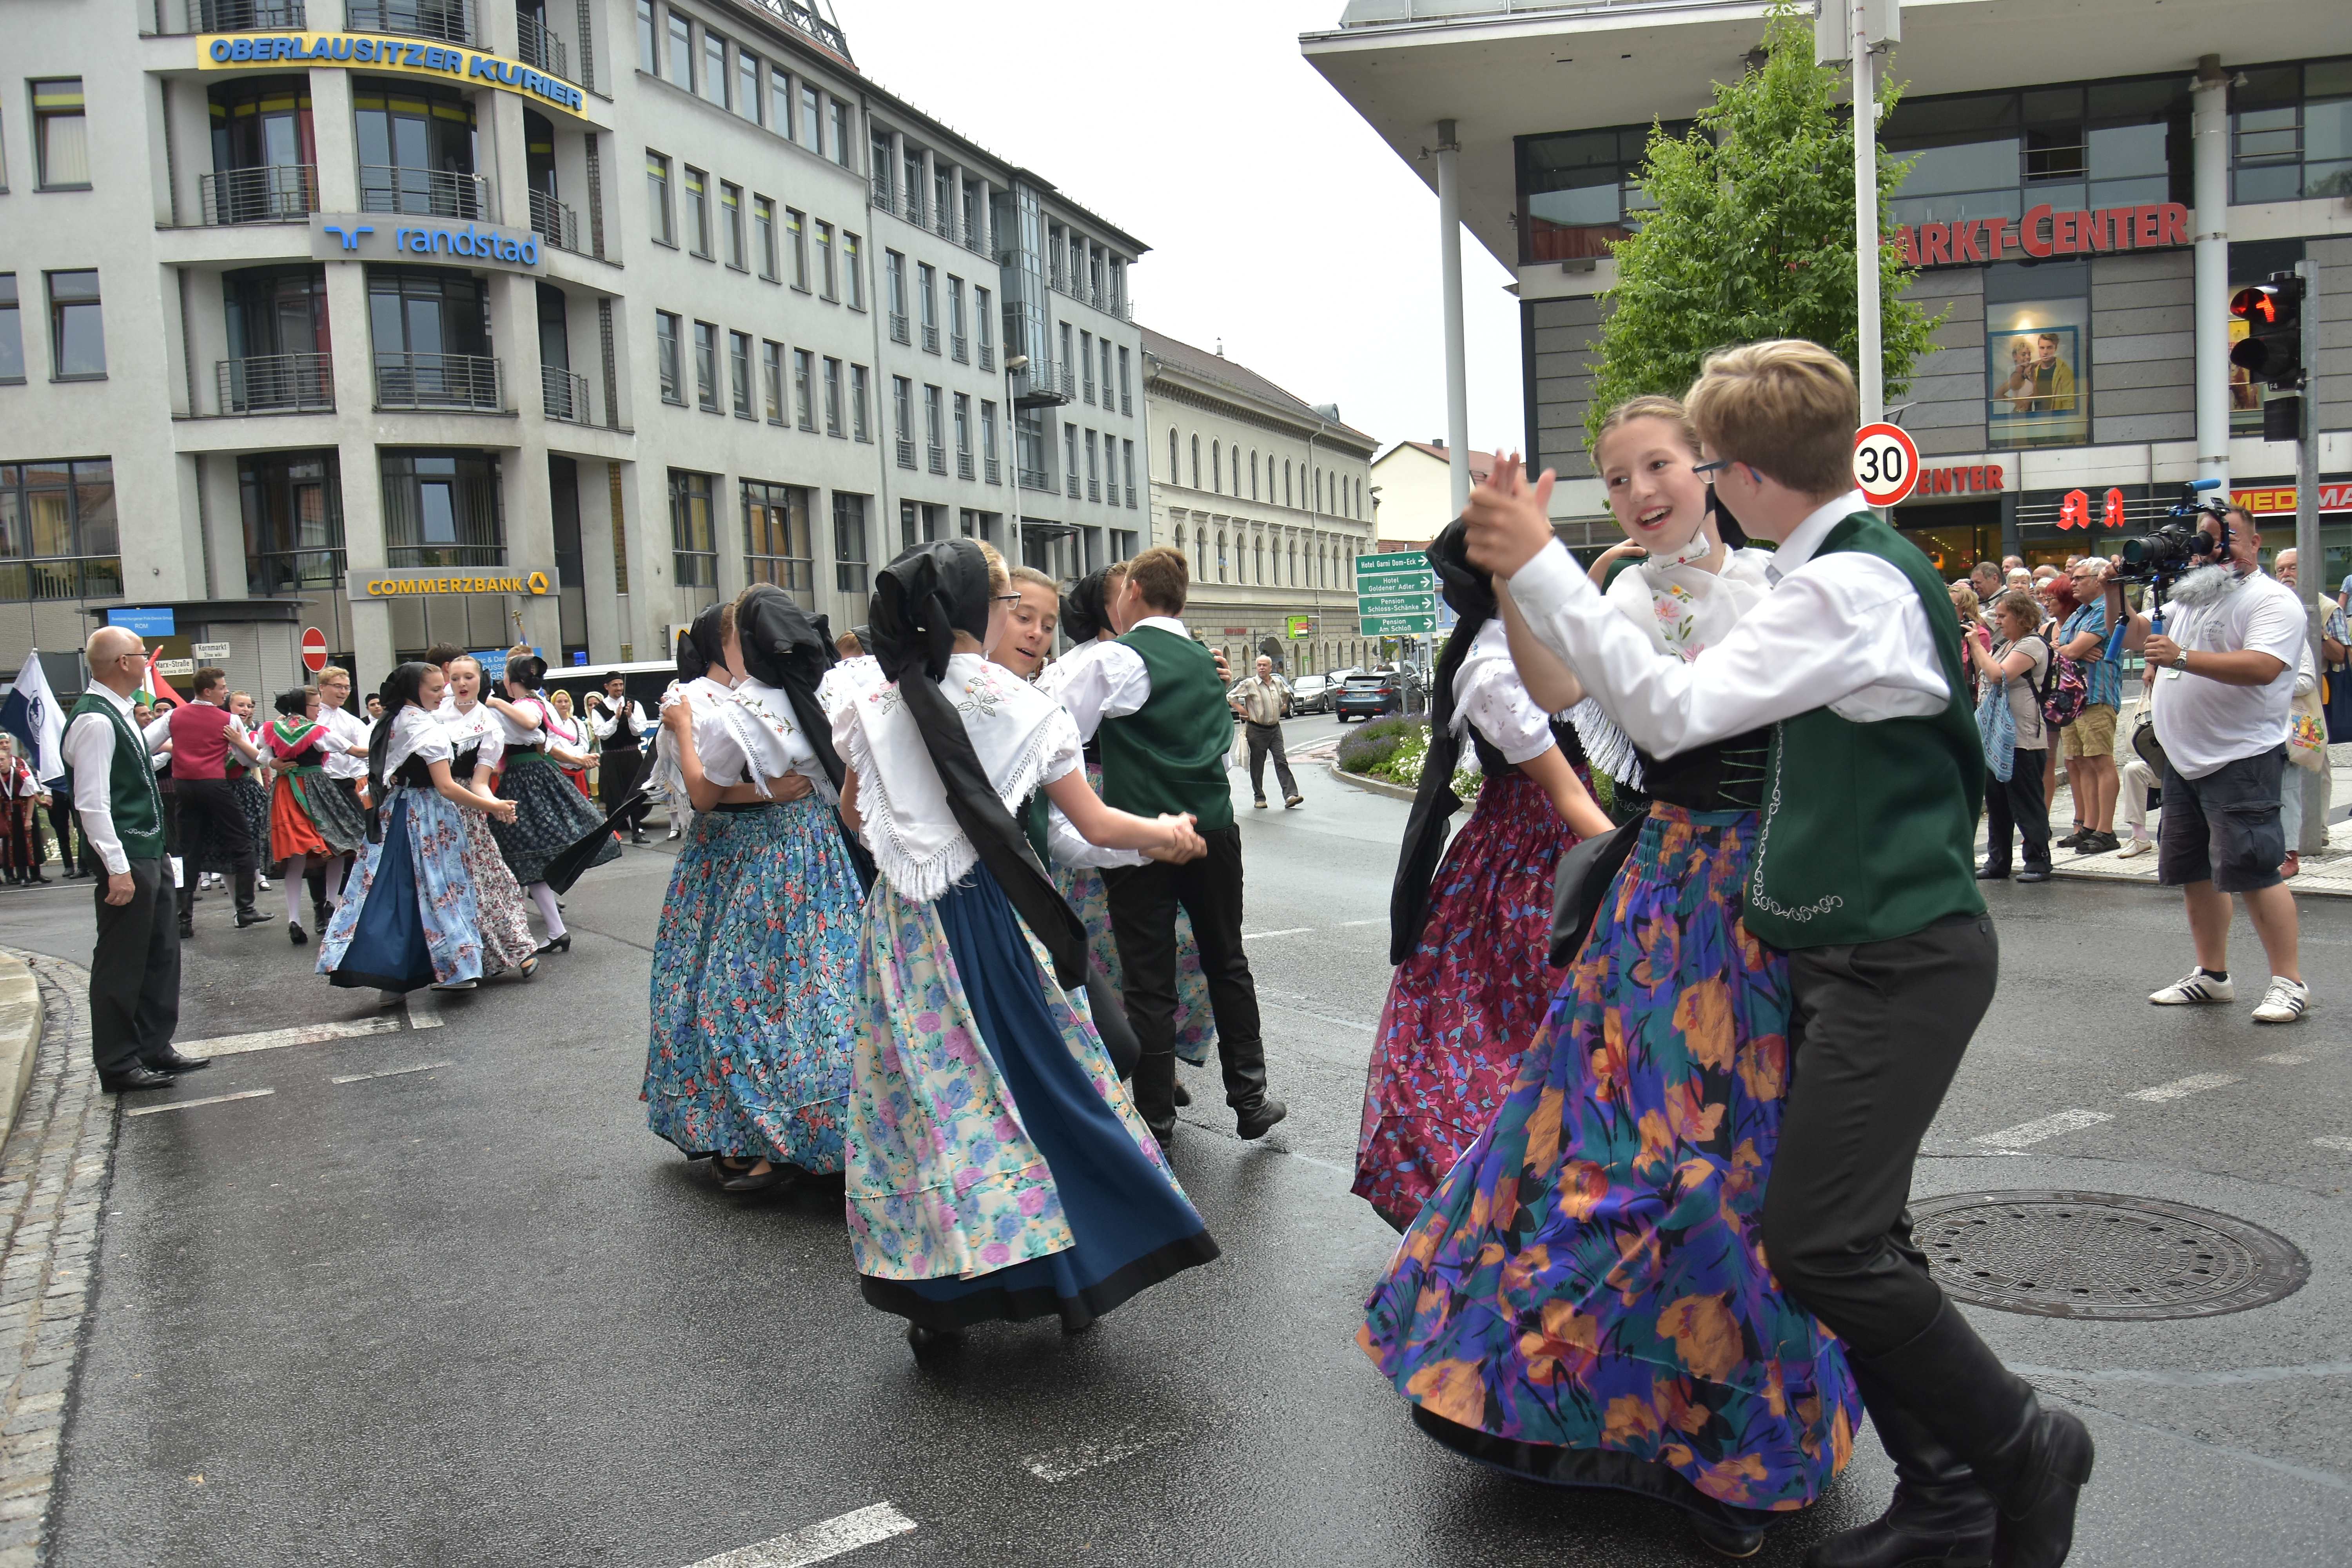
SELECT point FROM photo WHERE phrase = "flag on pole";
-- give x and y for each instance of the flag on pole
(158, 688)
(32, 715)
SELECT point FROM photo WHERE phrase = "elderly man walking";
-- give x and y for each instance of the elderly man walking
(1262, 701)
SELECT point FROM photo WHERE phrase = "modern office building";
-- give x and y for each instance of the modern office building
(2088, 184)
(1268, 498)
(557, 320)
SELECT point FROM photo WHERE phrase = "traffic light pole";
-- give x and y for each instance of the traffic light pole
(2310, 560)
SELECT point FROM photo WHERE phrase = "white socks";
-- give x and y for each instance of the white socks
(544, 897)
(294, 890)
(334, 883)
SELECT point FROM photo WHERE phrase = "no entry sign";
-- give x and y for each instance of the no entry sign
(1885, 463)
(314, 649)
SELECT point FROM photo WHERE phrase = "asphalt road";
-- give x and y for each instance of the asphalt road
(473, 1313)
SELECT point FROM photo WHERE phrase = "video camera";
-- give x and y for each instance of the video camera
(2161, 557)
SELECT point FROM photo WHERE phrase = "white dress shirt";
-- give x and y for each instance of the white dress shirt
(1109, 684)
(90, 753)
(605, 719)
(1847, 632)
(344, 730)
(1488, 692)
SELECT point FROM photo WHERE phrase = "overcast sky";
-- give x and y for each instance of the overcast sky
(1277, 221)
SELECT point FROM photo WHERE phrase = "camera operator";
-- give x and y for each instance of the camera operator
(2219, 677)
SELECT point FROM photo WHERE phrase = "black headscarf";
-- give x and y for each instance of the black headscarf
(1085, 615)
(402, 686)
(786, 647)
(1472, 593)
(704, 647)
(920, 601)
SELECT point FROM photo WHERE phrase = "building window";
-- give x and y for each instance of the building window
(833, 397)
(1221, 566)
(780, 102)
(442, 509)
(1123, 543)
(857, 393)
(777, 546)
(1094, 475)
(1086, 367)
(919, 524)
(60, 134)
(666, 332)
(1196, 462)
(987, 329)
(1126, 403)
(989, 470)
(894, 280)
(657, 198)
(854, 271)
(645, 58)
(1106, 376)
(1070, 461)
(1128, 451)
(772, 379)
(849, 543)
(927, 292)
(1069, 352)
(935, 446)
(805, 388)
(2037, 354)
(77, 326)
(58, 538)
(12, 331)
(697, 211)
(964, 469)
(841, 134)
(681, 52)
(764, 235)
(812, 133)
(730, 223)
(1029, 449)
(958, 345)
(694, 545)
(2291, 132)
(714, 68)
(1285, 481)
(796, 240)
(825, 260)
(293, 505)
(706, 366)
(1216, 469)
(902, 416)
(738, 366)
(746, 85)
(979, 525)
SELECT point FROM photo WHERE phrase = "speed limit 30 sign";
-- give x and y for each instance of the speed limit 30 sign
(1885, 463)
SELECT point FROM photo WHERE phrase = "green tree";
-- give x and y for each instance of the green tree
(1752, 233)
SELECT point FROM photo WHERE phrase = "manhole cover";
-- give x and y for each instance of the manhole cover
(2099, 1255)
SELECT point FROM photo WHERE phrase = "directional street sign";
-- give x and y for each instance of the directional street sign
(1396, 595)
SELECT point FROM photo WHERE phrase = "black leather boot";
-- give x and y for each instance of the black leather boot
(1154, 1091)
(1939, 1517)
(2033, 1461)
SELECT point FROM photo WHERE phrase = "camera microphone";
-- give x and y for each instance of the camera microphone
(2204, 484)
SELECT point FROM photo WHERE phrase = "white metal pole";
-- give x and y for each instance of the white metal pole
(2209, 159)
(1871, 357)
(1449, 262)
(2310, 560)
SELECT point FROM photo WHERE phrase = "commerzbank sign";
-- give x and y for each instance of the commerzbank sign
(406, 56)
(409, 581)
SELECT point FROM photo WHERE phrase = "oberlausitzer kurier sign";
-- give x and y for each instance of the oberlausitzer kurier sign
(417, 582)
(397, 236)
(404, 57)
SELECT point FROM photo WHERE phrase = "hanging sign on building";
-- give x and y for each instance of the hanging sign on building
(452, 63)
(397, 236)
(412, 582)
(2043, 233)
(2272, 500)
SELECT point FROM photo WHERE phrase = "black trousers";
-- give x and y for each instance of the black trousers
(199, 802)
(134, 970)
(2018, 809)
(1875, 1034)
(1143, 904)
(62, 821)
(617, 771)
(1265, 738)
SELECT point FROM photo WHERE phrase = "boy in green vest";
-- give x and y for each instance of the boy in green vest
(1863, 872)
(1156, 703)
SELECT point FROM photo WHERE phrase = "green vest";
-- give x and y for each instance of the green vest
(137, 803)
(1868, 831)
(1169, 755)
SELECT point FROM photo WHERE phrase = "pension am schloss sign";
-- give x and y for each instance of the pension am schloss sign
(2043, 233)
(379, 237)
(405, 56)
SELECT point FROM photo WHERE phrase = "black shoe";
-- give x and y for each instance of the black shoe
(1992, 874)
(137, 1076)
(172, 1061)
(2034, 874)
(38, 880)
(2071, 840)
(187, 931)
(1183, 1095)
(1939, 1515)
(2099, 843)
(555, 944)
(638, 836)
(933, 1345)
(1255, 1121)
(1727, 1539)
(776, 1175)
(319, 916)
(295, 933)
(251, 917)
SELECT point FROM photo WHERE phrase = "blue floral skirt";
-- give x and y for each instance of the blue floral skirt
(1585, 1299)
(407, 919)
(755, 987)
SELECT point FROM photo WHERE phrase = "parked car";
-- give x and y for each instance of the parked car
(1370, 695)
(1311, 694)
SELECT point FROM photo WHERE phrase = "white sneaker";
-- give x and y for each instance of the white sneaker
(2195, 986)
(2285, 1003)
(2132, 847)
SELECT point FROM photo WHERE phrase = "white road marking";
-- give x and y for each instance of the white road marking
(388, 1072)
(2182, 1087)
(306, 1034)
(2283, 1059)
(1286, 930)
(819, 1541)
(2343, 1143)
(208, 1100)
(1379, 921)
(2043, 1127)
(1061, 1464)
(2192, 1379)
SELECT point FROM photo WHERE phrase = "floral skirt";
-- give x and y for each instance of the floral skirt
(410, 923)
(755, 988)
(1196, 1024)
(504, 919)
(550, 816)
(310, 814)
(215, 854)
(1463, 1008)
(997, 1169)
(1585, 1301)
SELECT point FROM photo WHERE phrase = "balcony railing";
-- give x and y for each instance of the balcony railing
(537, 47)
(1127, 403)
(468, 382)
(1070, 483)
(963, 465)
(1089, 394)
(930, 340)
(1130, 498)
(882, 191)
(988, 356)
(444, 21)
(942, 222)
(960, 349)
(911, 209)
(563, 395)
(905, 452)
(809, 20)
(553, 222)
(276, 384)
(1094, 490)
(1037, 480)
(936, 460)
(900, 331)
(1045, 385)
(244, 17)
(426, 193)
(276, 193)
(973, 240)
(991, 472)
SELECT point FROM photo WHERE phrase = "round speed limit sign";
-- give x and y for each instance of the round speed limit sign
(1885, 463)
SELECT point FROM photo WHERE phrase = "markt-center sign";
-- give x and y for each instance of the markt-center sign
(2045, 232)
(404, 56)
(412, 582)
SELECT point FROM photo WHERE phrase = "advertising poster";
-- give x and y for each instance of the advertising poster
(2038, 377)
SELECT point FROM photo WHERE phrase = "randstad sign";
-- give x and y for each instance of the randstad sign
(410, 57)
(397, 236)
(408, 583)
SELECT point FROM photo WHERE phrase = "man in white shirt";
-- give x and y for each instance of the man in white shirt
(135, 966)
(2220, 676)
(622, 727)
(345, 766)
(1262, 702)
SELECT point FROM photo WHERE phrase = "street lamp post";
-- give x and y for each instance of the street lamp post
(1013, 364)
